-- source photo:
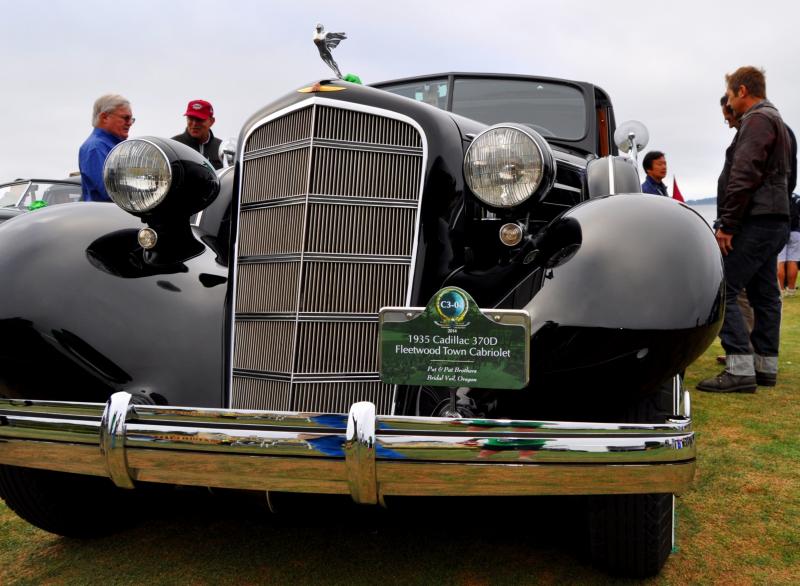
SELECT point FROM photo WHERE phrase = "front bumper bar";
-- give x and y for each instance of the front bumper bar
(361, 454)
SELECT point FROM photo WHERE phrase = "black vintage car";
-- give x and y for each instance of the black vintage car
(242, 352)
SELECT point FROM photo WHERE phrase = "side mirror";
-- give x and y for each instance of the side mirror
(631, 137)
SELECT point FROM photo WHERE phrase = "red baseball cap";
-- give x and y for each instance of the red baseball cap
(200, 109)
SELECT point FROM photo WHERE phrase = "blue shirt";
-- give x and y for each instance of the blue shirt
(650, 186)
(91, 157)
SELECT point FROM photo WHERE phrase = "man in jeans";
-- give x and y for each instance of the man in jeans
(752, 226)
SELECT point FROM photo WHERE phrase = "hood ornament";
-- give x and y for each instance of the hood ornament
(325, 42)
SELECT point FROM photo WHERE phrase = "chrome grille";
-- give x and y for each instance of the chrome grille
(362, 230)
(327, 230)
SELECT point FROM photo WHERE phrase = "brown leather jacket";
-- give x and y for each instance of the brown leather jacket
(754, 181)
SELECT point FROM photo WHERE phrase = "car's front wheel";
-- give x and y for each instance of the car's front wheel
(631, 534)
(71, 505)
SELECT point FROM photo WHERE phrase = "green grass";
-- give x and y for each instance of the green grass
(739, 524)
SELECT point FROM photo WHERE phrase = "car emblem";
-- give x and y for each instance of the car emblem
(451, 305)
(318, 87)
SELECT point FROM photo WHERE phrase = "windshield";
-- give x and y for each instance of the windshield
(51, 193)
(552, 109)
(10, 194)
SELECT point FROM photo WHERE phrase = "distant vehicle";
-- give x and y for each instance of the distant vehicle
(23, 195)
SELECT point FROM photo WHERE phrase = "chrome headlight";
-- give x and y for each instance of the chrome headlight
(507, 164)
(137, 175)
(160, 180)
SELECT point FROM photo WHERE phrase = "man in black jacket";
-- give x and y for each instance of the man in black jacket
(752, 226)
(199, 120)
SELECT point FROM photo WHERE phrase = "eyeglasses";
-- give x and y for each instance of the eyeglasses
(126, 119)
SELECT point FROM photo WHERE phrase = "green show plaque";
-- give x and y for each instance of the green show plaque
(453, 343)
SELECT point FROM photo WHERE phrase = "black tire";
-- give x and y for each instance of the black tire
(631, 534)
(71, 505)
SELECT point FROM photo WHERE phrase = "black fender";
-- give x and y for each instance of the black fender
(631, 294)
(83, 315)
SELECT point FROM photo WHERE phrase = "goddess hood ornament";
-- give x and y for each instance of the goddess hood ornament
(325, 42)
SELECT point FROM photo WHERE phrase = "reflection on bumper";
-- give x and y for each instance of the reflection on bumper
(360, 454)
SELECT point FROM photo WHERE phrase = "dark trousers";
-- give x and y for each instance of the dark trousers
(752, 265)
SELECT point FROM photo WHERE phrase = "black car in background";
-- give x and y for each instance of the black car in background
(242, 352)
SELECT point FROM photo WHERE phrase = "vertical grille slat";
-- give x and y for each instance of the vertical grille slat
(312, 274)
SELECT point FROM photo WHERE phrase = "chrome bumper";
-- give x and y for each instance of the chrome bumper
(361, 454)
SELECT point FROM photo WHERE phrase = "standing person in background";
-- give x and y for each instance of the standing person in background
(789, 256)
(733, 122)
(112, 120)
(199, 120)
(752, 225)
(655, 166)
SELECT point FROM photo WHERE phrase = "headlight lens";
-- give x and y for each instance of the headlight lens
(504, 166)
(137, 175)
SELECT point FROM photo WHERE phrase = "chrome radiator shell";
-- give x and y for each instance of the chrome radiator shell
(328, 223)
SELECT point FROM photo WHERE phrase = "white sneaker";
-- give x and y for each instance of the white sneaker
(790, 292)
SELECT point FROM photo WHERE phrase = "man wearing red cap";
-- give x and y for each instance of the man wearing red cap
(199, 120)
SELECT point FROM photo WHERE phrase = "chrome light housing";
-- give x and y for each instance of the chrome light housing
(137, 175)
(507, 164)
(159, 179)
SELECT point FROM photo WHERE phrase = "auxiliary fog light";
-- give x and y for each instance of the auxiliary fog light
(147, 238)
(510, 234)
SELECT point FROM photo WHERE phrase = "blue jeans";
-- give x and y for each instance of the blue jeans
(752, 265)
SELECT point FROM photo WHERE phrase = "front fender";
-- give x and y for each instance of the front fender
(631, 294)
(77, 297)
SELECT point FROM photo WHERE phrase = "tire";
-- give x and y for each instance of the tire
(631, 534)
(70, 505)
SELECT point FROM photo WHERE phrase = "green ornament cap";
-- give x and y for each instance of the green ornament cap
(39, 203)
(353, 78)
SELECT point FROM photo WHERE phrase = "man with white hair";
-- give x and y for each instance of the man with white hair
(112, 119)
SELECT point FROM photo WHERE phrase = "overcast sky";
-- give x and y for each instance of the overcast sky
(663, 63)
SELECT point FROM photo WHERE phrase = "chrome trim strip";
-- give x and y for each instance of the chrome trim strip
(112, 439)
(307, 317)
(330, 200)
(327, 257)
(274, 203)
(567, 187)
(87, 418)
(282, 148)
(367, 146)
(611, 181)
(362, 454)
(359, 453)
(575, 166)
(310, 377)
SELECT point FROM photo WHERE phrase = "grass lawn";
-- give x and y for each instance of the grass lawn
(739, 524)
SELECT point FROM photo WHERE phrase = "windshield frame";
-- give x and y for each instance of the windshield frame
(21, 202)
(21, 198)
(586, 143)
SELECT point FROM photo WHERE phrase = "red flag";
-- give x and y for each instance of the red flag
(676, 193)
